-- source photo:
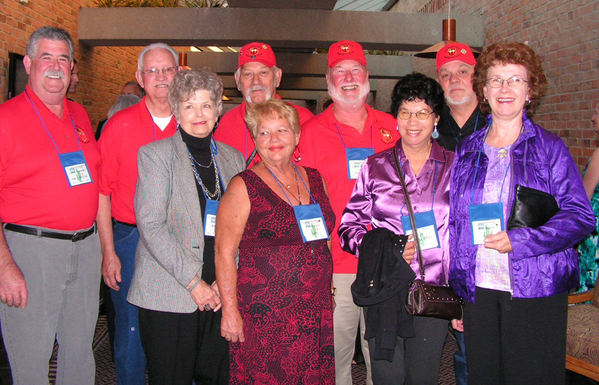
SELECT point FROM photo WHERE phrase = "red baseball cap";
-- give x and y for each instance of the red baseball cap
(455, 51)
(259, 52)
(346, 50)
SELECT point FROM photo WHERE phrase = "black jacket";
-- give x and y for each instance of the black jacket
(382, 286)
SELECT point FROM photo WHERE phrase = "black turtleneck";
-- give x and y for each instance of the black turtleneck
(200, 150)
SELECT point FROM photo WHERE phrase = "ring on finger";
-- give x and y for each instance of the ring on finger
(207, 307)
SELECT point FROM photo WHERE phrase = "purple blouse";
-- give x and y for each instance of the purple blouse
(378, 201)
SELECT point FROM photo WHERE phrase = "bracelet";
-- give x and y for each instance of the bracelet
(195, 284)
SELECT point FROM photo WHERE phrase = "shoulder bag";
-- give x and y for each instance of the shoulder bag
(425, 299)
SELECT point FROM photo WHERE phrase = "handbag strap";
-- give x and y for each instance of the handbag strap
(410, 211)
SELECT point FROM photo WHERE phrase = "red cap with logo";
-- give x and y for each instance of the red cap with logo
(259, 52)
(346, 50)
(455, 51)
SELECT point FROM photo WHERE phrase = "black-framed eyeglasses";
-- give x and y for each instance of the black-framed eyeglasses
(513, 82)
(420, 115)
(166, 71)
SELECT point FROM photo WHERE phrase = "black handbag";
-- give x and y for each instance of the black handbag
(532, 208)
(425, 299)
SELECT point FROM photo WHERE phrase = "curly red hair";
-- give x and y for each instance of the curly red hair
(511, 53)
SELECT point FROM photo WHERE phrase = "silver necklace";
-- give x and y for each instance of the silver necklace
(201, 165)
(217, 191)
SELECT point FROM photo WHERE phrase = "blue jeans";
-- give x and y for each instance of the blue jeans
(129, 357)
(459, 360)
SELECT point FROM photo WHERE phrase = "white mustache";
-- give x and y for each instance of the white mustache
(258, 88)
(54, 73)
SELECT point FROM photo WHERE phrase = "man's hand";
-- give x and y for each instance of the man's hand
(13, 288)
(111, 270)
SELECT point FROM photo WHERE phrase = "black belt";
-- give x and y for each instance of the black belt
(124, 223)
(79, 236)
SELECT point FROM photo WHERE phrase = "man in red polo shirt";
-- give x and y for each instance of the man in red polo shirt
(49, 249)
(337, 142)
(124, 133)
(257, 79)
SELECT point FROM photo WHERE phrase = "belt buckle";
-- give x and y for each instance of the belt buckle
(79, 236)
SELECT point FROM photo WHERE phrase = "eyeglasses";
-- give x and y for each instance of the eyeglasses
(166, 71)
(513, 82)
(420, 115)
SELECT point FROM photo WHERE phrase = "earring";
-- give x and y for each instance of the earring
(485, 100)
(527, 101)
(297, 155)
(435, 132)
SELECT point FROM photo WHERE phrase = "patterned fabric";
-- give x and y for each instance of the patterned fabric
(588, 248)
(583, 334)
(284, 293)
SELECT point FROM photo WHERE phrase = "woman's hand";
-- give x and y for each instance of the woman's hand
(231, 327)
(458, 325)
(205, 297)
(410, 250)
(500, 242)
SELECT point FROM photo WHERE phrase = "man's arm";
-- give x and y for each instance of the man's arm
(111, 264)
(13, 288)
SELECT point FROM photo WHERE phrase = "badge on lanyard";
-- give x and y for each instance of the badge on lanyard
(485, 219)
(355, 160)
(73, 163)
(210, 217)
(428, 235)
(75, 168)
(311, 222)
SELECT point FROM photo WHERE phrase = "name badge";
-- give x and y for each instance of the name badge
(75, 168)
(355, 160)
(210, 218)
(428, 235)
(485, 219)
(311, 222)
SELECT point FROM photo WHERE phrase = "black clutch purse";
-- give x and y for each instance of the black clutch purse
(532, 208)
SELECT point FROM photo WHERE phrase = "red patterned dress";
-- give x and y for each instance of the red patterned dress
(284, 290)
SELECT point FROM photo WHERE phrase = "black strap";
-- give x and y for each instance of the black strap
(410, 211)
(251, 158)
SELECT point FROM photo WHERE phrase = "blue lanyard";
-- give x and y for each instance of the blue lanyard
(451, 127)
(434, 186)
(341, 136)
(476, 170)
(213, 152)
(281, 187)
(46, 128)
(154, 123)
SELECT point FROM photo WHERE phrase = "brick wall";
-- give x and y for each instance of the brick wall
(565, 33)
(102, 71)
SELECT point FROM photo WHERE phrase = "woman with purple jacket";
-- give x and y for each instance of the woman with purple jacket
(515, 282)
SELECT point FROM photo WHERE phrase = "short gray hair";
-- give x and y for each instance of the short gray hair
(122, 102)
(142, 54)
(187, 82)
(50, 33)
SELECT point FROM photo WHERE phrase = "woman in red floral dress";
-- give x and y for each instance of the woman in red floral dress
(277, 304)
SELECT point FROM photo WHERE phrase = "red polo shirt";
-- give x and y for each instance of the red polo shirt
(121, 138)
(232, 130)
(323, 149)
(34, 190)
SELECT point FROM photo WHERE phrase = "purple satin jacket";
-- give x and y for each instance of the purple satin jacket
(544, 261)
(378, 201)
